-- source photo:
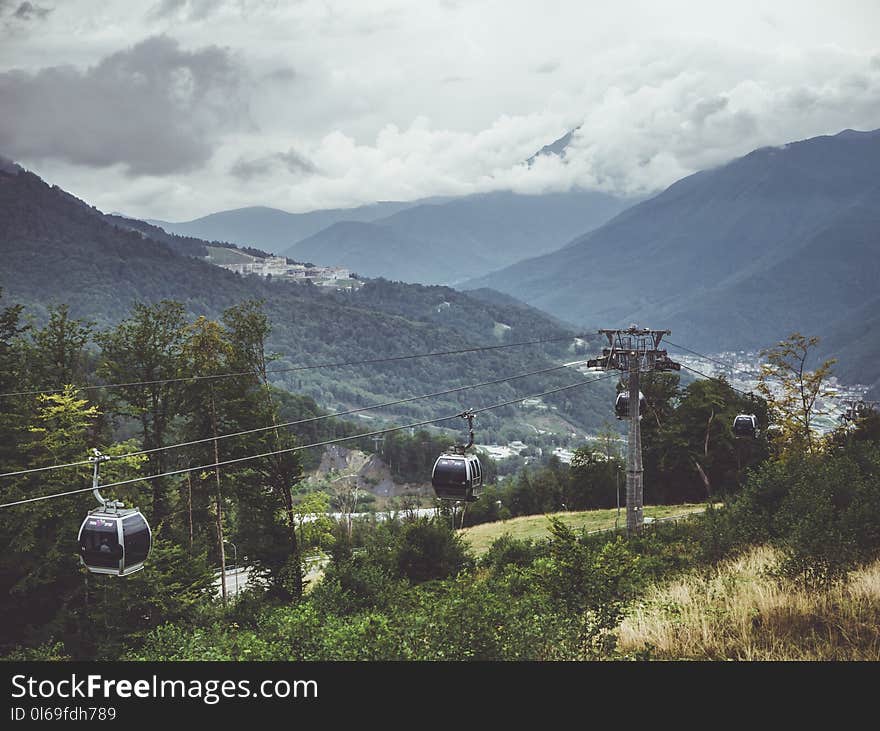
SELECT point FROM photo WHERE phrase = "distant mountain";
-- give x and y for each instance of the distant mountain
(272, 229)
(56, 249)
(556, 148)
(370, 250)
(786, 238)
(8, 166)
(186, 245)
(450, 242)
(499, 299)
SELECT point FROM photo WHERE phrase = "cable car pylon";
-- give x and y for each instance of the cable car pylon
(634, 350)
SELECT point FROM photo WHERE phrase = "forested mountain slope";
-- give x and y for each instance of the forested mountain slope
(56, 249)
(786, 238)
(449, 242)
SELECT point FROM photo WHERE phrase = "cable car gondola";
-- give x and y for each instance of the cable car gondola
(621, 405)
(456, 474)
(113, 539)
(745, 425)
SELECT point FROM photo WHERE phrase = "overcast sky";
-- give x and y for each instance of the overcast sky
(173, 109)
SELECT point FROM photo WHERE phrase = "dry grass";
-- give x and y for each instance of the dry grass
(740, 611)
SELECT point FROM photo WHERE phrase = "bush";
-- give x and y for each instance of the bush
(429, 550)
(508, 550)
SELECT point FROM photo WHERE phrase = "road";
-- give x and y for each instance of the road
(237, 578)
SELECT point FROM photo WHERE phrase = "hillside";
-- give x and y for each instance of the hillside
(56, 249)
(537, 527)
(271, 228)
(733, 258)
(739, 610)
(370, 250)
(449, 242)
(186, 245)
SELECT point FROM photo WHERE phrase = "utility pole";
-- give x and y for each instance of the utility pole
(634, 470)
(634, 350)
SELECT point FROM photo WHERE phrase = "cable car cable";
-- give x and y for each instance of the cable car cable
(710, 358)
(369, 361)
(343, 413)
(701, 355)
(300, 448)
(733, 368)
(43, 469)
(298, 422)
(706, 375)
(749, 394)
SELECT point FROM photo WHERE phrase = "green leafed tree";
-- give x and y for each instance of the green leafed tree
(248, 328)
(792, 390)
(147, 350)
(57, 354)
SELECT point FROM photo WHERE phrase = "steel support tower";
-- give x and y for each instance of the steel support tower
(634, 351)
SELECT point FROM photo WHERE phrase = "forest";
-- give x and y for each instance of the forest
(406, 588)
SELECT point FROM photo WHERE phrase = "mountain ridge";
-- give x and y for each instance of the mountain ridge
(710, 256)
(272, 228)
(455, 240)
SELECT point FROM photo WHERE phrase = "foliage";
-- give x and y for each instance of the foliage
(793, 402)
(402, 589)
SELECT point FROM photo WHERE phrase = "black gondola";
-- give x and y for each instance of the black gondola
(456, 474)
(457, 477)
(745, 425)
(113, 539)
(621, 405)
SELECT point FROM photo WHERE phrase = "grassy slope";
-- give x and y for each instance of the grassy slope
(480, 537)
(740, 611)
(220, 255)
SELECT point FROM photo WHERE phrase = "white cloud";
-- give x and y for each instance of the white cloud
(154, 108)
(660, 90)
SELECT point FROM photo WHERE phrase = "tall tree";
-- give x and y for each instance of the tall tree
(39, 575)
(698, 455)
(14, 410)
(57, 356)
(207, 352)
(148, 348)
(248, 329)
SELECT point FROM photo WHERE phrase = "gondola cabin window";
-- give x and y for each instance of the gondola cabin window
(451, 471)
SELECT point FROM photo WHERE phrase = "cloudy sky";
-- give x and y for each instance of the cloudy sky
(173, 109)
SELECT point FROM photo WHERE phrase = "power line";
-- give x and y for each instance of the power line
(302, 447)
(369, 361)
(297, 422)
(43, 469)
